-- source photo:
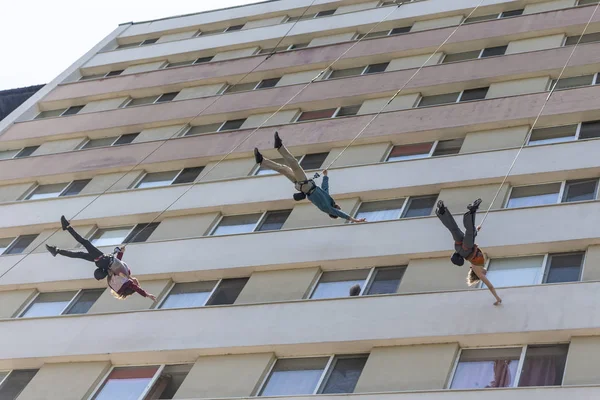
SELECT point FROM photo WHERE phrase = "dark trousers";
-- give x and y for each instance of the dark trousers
(467, 239)
(92, 251)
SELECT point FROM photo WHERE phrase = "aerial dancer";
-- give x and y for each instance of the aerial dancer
(307, 188)
(109, 266)
(464, 245)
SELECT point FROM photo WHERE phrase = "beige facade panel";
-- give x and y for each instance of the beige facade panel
(548, 6)
(107, 303)
(298, 77)
(135, 69)
(356, 7)
(264, 22)
(268, 119)
(60, 239)
(436, 23)
(199, 91)
(111, 182)
(399, 103)
(165, 132)
(495, 139)
(103, 105)
(324, 40)
(228, 169)
(64, 381)
(306, 215)
(10, 193)
(457, 199)
(280, 285)
(176, 36)
(521, 86)
(434, 274)
(188, 226)
(12, 302)
(59, 146)
(591, 264)
(414, 61)
(228, 55)
(392, 369)
(225, 376)
(583, 361)
(535, 44)
(357, 155)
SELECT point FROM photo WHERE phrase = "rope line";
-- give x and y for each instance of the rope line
(512, 165)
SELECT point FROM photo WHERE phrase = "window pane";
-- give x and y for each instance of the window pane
(188, 175)
(155, 179)
(268, 83)
(16, 382)
(190, 294)
(179, 64)
(110, 236)
(580, 191)
(149, 41)
(420, 206)
(438, 99)
(7, 154)
(227, 292)
(512, 13)
(375, 68)
(386, 280)
(535, 195)
(115, 73)
(467, 55)
(397, 31)
(294, 376)
(142, 101)
(126, 383)
(544, 365)
(73, 110)
(167, 97)
(50, 113)
(577, 81)
(586, 2)
(274, 220)
(564, 268)
(515, 271)
(200, 129)
(298, 46)
(21, 244)
(141, 232)
(233, 124)
(589, 38)
(129, 45)
(590, 130)
(48, 304)
(4, 243)
(325, 13)
(89, 77)
(556, 134)
(345, 374)
(273, 50)
(234, 28)
(375, 34)
(342, 73)
(84, 301)
(493, 51)
(320, 114)
(76, 187)
(348, 111)
(410, 151)
(203, 60)
(27, 151)
(338, 283)
(384, 210)
(126, 139)
(104, 142)
(313, 161)
(481, 18)
(47, 191)
(236, 224)
(448, 147)
(478, 369)
(169, 382)
(474, 94)
(242, 87)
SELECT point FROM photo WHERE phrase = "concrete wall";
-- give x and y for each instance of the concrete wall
(228, 55)
(199, 91)
(116, 181)
(135, 69)
(162, 133)
(436, 23)
(59, 146)
(281, 118)
(298, 77)
(534, 44)
(176, 36)
(433, 274)
(184, 227)
(103, 105)
(357, 155)
(548, 6)
(356, 7)
(13, 302)
(522, 86)
(582, 361)
(282, 285)
(495, 139)
(323, 40)
(402, 102)
(264, 22)
(591, 264)
(414, 61)
(14, 192)
(456, 199)
(228, 169)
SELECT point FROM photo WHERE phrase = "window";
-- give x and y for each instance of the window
(471, 55)
(99, 76)
(589, 130)
(298, 46)
(16, 245)
(573, 82)
(334, 284)
(424, 150)
(512, 13)
(385, 280)
(232, 125)
(48, 304)
(580, 190)
(347, 111)
(556, 134)
(273, 220)
(242, 87)
(84, 300)
(273, 50)
(164, 98)
(27, 151)
(465, 95)
(325, 13)
(534, 195)
(203, 60)
(369, 69)
(13, 382)
(233, 224)
(57, 190)
(420, 206)
(141, 232)
(473, 94)
(586, 2)
(313, 161)
(381, 210)
(202, 129)
(448, 147)
(587, 38)
(169, 381)
(314, 115)
(500, 367)
(564, 268)
(137, 44)
(110, 236)
(155, 179)
(376, 68)
(493, 51)
(234, 28)
(59, 113)
(372, 35)
(72, 110)
(268, 83)
(142, 101)
(126, 383)
(227, 291)
(179, 64)
(401, 30)
(75, 187)
(190, 294)
(516, 271)
(8, 154)
(188, 175)
(489, 17)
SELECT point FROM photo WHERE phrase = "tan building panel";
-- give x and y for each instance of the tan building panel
(457, 199)
(199, 91)
(356, 7)
(436, 23)
(165, 132)
(399, 103)
(324, 40)
(134, 69)
(298, 77)
(103, 105)
(176, 36)
(495, 139)
(521, 86)
(13, 301)
(14, 192)
(187, 226)
(583, 361)
(539, 43)
(357, 155)
(107, 303)
(65, 381)
(116, 181)
(434, 274)
(306, 215)
(264, 22)
(282, 285)
(398, 368)
(228, 169)
(225, 376)
(227, 55)
(282, 117)
(58, 146)
(414, 61)
(548, 6)
(60, 239)
(591, 264)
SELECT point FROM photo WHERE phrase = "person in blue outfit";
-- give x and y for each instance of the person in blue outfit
(307, 188)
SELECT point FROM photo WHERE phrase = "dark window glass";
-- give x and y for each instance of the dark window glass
(448, 147)
(227, 291)
(73, 110)
(169, 381)
(386, 280)
(420, 206)
(348, 111)
(75, 187)
(27, 151)
(589, 38)
(84, 301)
(474, 94)
(203, 60)
(234, 28)
(345, 374)
(374, 68)
(564, 268)
(580, 191)
(16, 381)
(274, 220)
(410, 151)
(319, 114)
(325, 13)
(149, 41)
(493, 51)
(397, 31)
(126, 139)
(313, 161)
(141, 233)
(115, 73)
(21, 244)
(167, 97)
(188, 175)
(268, 83)
(232, 124)
(512, 13)
(590, 130)
(544, 365)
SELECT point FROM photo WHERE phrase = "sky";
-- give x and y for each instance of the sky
(42, 38)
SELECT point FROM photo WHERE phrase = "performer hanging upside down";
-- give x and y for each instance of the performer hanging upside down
(319, 196)
(464, 245)
(109, 266)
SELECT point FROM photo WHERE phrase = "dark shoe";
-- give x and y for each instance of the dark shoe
(355, 290)
(52, 249)
(257, 156)
(441, 208)
(278, 141)
(64, 223)
(473, 207)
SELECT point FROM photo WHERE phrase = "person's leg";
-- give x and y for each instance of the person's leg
(92, 250)
(469, 223)
(76, 254)
(448, 220)
(282, 169)
(290, 160)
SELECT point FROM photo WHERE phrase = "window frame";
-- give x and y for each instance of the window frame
(479, 57)
(570, 182)
(334, 115)
(130, 99)
(160, 303)
(30, 192)
(554, 82)
(561, 193)
(27, 305)
(548, 263)
(95, 231)
(146, 173)
(458, 98)
(257, 225)
(117, 138)
(363, 72)
(431, 153)
(12, 244)
(401, 213)
(146, 390)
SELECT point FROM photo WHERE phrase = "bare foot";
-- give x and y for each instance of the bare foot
(498, 302)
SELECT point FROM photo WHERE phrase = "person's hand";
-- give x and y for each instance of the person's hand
(324, 172)
(359, 220)
(153, 297)
(478, 228)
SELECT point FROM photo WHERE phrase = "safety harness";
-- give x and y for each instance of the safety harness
(308, 186)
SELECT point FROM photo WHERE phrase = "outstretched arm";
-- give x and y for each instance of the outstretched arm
(135, 286)
(481, 275)
(325, 182)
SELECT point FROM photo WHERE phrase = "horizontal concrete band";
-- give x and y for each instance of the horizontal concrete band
(558, 228)
(540, 313)
(319, 57)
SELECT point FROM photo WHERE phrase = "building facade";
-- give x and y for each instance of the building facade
(148, 139)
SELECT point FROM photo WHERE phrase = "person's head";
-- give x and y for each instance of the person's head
(355, 290)
(127, 292)
(299, 196)
(100, 274)
(457, 259)
(472, 278)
